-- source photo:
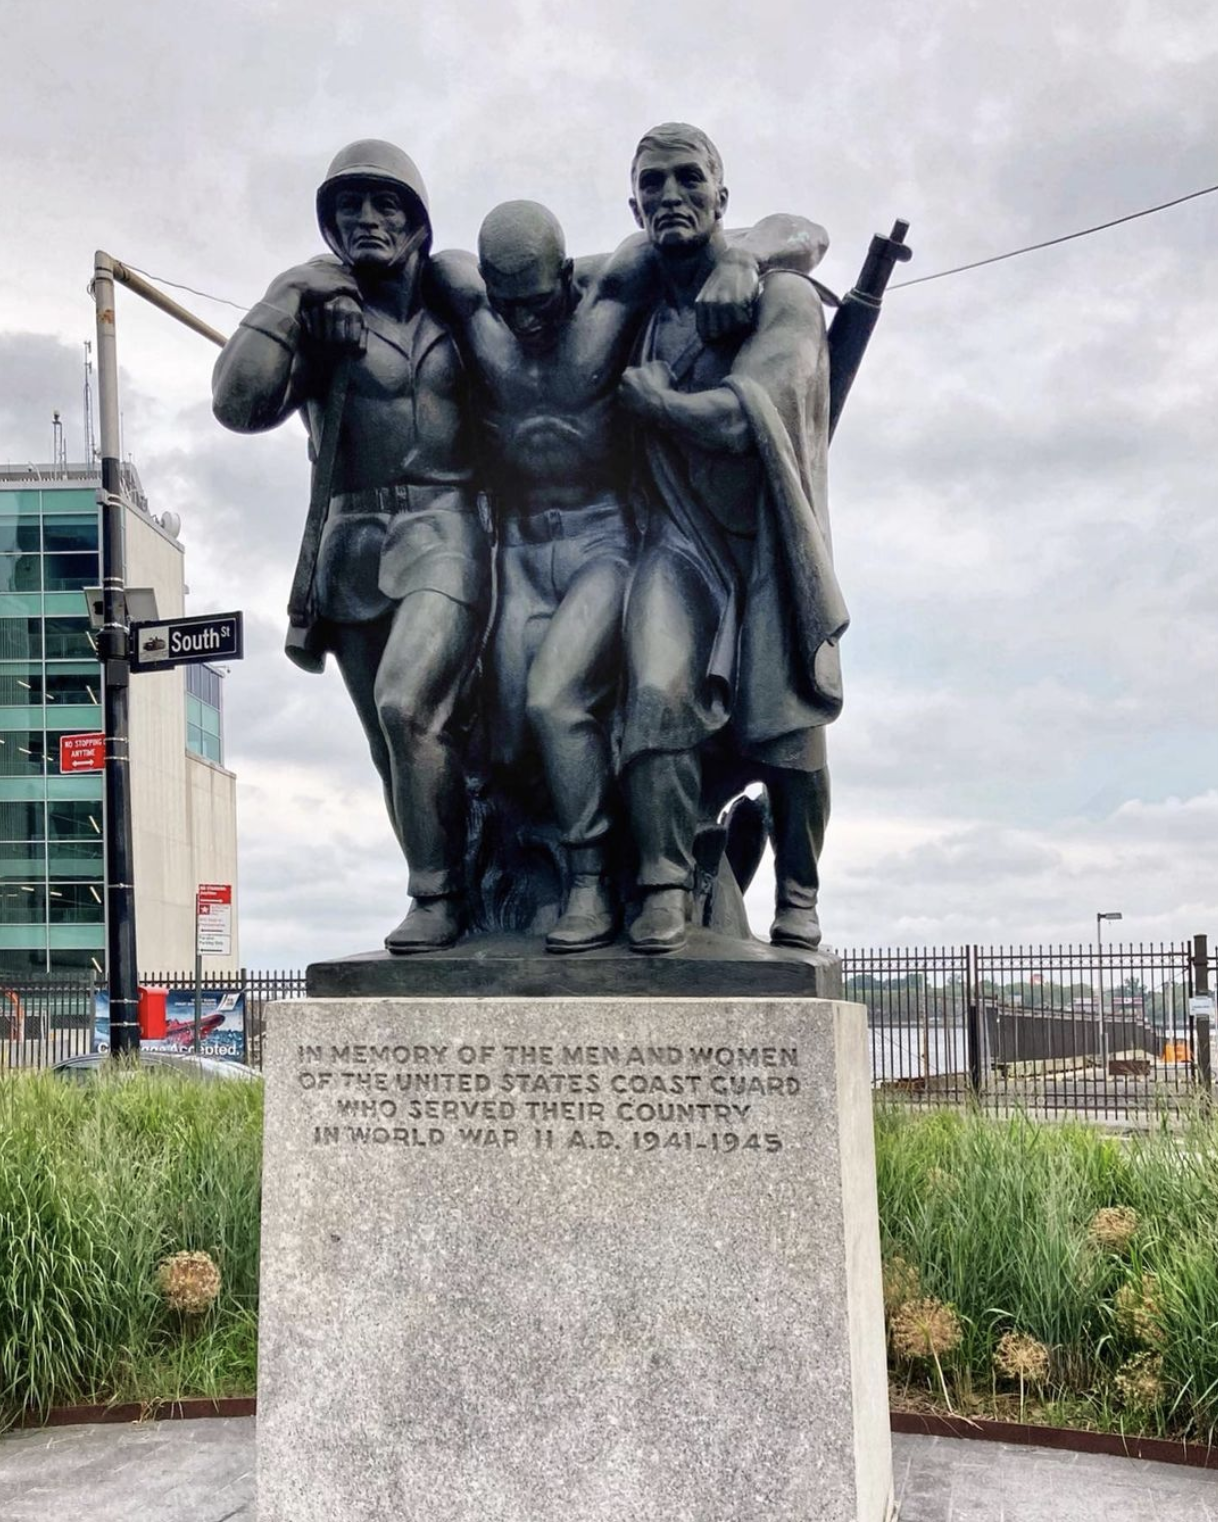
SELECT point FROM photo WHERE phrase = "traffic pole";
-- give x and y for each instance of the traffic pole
(114, 653)
(198, 1039)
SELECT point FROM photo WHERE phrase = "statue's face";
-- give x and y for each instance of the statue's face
(677, 200)
(534, 301)
(373, 226)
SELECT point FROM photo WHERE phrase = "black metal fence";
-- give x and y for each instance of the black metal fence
(257, 988)
(1099, 1032)
(43, 1022)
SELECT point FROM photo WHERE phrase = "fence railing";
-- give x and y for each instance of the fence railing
(47, 1021)
(1099, 1032)
(258, 989)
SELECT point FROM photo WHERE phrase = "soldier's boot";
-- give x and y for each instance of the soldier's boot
(661, 923)
(799, 809)
(430, 925)
(796, 925)
(591, 916)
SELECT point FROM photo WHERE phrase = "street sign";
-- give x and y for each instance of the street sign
(186, 641)
(1201, 1006)
(82, 753)
(214, 920)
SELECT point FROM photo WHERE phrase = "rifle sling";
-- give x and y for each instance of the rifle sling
(301, 597)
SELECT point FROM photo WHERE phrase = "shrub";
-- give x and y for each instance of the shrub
(100, 1183)
(1080, 1264)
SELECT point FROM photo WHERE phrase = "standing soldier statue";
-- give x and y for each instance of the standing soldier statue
(394, 569)
(735, 613)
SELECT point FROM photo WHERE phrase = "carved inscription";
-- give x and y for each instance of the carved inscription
(652, 1101)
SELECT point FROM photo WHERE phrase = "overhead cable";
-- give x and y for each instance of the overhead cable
(1031, 248)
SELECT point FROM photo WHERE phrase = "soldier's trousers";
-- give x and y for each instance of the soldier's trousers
(665, 803)
(556, 654)
(673, 710)
(406, 674)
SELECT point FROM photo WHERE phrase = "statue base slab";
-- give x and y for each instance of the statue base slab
(518, 966)
(610, 1259)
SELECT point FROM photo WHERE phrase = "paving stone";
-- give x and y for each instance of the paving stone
(155, 1477)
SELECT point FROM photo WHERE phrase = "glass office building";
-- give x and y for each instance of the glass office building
(52, 871)
(52, 904)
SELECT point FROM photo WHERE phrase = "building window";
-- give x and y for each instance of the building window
(204, 710)
(69, 639)
(23, 903)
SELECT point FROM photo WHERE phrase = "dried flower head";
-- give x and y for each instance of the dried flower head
(925, 1328)
(1139, 1310)
(1021, 1357)
(1139, 1382)
(189, 1281)
(1112, 1229)
(902, 1282)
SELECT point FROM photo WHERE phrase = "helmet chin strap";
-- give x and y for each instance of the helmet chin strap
(413, 244)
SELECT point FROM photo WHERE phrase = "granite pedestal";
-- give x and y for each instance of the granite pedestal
(570, 1260)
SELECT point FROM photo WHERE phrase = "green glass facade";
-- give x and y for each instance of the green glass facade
(52, 909)
(204, 729)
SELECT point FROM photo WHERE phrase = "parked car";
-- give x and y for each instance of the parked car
(150, 1060)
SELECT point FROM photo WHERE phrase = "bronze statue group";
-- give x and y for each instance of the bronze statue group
(568, 528)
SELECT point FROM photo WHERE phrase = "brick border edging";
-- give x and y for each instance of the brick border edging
(1160, 1450)
(980, 1429)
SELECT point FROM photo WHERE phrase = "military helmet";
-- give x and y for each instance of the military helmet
(372, 159)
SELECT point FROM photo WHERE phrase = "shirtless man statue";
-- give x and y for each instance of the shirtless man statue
(545, 342)
(400, 591)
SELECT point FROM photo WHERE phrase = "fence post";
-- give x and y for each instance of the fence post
(972, 1029)
(1202, 1024)
(247, 1052)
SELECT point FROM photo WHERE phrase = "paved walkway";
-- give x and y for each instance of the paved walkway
(203, 1471)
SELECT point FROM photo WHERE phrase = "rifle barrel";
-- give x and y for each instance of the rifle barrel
(856, 317)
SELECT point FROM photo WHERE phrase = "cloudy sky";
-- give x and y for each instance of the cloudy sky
(1022, 486)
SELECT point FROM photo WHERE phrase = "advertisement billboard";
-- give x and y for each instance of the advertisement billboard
(222, 1029)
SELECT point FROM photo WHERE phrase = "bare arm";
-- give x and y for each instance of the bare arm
(629, 276)
(781, 242)
(726, 303)
(787, 337)
(453, 287)
(262, 374)
(711, 420)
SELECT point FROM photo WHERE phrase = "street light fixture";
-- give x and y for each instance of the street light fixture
(1112, 914)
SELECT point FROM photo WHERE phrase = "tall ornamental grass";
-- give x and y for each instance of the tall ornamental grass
(1079, 1270)
(1046, 1272)
(100, 1184)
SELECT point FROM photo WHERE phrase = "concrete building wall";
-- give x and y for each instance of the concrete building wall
(184, 808)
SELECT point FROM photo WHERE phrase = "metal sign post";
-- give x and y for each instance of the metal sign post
(197, 1042)
(213, 937)
(113, 653)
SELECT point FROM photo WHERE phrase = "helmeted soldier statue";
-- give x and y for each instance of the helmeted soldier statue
(394, 575)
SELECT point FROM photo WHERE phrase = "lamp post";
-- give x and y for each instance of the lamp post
(1113, 914)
